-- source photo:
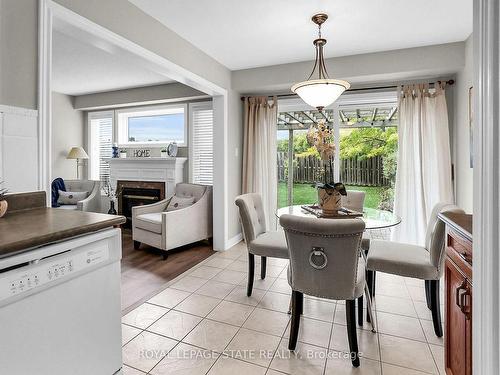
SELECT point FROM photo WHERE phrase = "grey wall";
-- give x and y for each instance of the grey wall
(171, 92)
(18, 53)
(388, 66)
(68, 129)
(461, 141)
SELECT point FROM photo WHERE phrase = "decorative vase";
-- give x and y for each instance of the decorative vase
(330, 201)
(112, 210)
(3, 208)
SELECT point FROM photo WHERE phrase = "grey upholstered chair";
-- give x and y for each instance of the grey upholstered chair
(419, 262)
(93, 201)
(354, 200)
(325, 262)
(259, 241)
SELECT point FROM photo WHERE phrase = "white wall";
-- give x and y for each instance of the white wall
(67, 131)
(461, 141)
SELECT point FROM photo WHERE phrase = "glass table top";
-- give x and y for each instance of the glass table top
(373, 218)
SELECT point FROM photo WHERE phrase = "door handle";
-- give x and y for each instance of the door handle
(458, 298)
(463, 303)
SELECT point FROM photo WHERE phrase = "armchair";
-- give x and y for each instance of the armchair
(154, 226)
(93, 201)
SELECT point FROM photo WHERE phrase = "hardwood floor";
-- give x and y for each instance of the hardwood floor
(144, 272)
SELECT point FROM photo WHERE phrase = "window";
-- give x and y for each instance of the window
(100, 139)
(201, 158)
(152, 125)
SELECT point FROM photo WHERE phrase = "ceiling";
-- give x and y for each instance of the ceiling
(247, 34)
(79, 68)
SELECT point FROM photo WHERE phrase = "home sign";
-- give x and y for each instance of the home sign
(142, 153)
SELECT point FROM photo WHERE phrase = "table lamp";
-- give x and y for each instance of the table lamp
(77, 153)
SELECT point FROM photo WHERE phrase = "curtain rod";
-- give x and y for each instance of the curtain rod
(449, 83)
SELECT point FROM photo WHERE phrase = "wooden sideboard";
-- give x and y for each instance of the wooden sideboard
(458, 294)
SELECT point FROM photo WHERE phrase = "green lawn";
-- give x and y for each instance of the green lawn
(306, 194)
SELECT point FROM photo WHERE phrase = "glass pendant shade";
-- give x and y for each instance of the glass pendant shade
(320, 93)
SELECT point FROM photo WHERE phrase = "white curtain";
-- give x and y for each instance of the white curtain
(423, 176)
(259, 153)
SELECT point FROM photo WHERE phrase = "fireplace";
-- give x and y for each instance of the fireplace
(137, 193)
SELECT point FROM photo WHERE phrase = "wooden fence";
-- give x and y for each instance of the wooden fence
(364, 172)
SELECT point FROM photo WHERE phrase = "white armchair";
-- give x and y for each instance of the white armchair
(93, 201)
(153, 225)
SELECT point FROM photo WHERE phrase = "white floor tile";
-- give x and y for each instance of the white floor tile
(231, 313)
(305, 360)
(407, 353)
(417, 293)
(317, 309)
(254, 347)
(238, 266)
(395, 305)
(430, 335)
(281, 286)
(189, 283)
(339, 363)
(239, 295)
(314, 332)
(215, 289)
(392, 290)
(144, 315)
(258, 283)
(198, 305)
(146, 350)
(211, 335)
(230, 366)
(175, 324)
(126, 370)
(367, 342)
(438, 354)
(423, 312)
(396, 370)
(231, 277)
(128, 333)
(399, 325)
(218, 262)
(169, 297)
(267, 321)
(205, 272)
(275, 301)
(185, 359)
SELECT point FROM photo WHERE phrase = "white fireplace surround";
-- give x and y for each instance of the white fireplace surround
(167, 170)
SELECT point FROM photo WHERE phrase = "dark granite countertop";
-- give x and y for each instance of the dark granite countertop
(462, 223)
(26, 229)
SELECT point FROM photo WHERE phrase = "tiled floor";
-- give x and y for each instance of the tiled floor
(203, 323)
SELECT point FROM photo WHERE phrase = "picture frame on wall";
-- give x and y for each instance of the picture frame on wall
(471, 127)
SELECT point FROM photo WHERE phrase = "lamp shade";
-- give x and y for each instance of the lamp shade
(320, 93)
(77, 153)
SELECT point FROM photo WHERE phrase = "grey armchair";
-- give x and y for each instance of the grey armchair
(419, 262)
(154, 226)
(258, 240)
(325, 262)
(93, 201)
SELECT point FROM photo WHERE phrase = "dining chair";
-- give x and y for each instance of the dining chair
(259, 241)
(325, 262)
(355, 200)
(420, 262)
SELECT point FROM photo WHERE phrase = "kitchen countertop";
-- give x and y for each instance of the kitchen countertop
(460, 222)
(25, 229)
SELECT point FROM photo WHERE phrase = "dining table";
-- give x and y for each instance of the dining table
(373, 218)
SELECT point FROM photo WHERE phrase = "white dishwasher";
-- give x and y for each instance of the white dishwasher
(60, 310)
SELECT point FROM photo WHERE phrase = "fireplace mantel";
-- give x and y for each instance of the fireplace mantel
(167, 170)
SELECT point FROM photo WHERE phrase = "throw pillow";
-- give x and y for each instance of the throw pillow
(177, 203)
(71, 197)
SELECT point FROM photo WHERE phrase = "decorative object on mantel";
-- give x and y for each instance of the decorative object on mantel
(123, 154)
(164, 152)
(321, 91)
(112, 194)
(114, 150)
(3, 203)
(172, 149)
(77, 153)
(142, 153)
(320, 137)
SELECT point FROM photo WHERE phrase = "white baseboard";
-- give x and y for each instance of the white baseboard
(233, 241)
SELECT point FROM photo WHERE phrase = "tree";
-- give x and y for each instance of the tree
(366, 143)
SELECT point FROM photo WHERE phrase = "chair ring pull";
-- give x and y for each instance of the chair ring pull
(314, 258)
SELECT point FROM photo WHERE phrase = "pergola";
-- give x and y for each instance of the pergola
(380, 117)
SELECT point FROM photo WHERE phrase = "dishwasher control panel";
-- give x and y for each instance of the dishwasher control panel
(49, 270)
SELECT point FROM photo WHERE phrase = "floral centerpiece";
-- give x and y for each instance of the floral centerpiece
(3, 203)
(321, 137)
(112, 195)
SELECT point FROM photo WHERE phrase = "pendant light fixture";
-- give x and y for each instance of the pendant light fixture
(321, 91)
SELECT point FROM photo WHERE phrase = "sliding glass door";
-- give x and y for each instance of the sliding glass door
(365, 128)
